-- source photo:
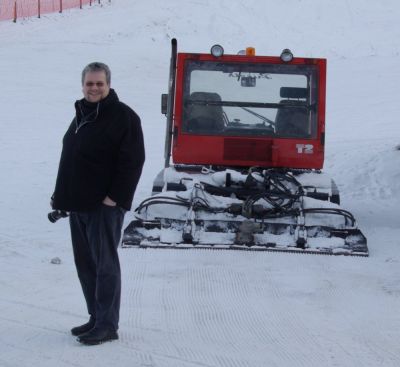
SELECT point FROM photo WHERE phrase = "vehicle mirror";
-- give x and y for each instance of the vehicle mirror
(164, 103)
(248, 81)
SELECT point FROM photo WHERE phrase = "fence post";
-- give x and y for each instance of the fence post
(15, 12)
(80, 4)
(60, 6)
(38, 8)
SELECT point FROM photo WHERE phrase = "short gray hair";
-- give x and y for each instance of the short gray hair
(97, 66)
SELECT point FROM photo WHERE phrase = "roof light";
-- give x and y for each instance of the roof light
(217, 50)
(286, 55)
(250, 51)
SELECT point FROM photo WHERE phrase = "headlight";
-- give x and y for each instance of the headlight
(217, 51)
(286, 55)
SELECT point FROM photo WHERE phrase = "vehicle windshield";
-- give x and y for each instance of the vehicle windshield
(250, 99)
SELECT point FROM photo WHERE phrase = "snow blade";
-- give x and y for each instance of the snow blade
(261, 210)
(249, 237)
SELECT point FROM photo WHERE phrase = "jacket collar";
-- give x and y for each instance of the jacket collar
(89, 111)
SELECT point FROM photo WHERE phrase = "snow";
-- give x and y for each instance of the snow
(191, 308)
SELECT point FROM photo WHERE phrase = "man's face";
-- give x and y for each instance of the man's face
(95, 86)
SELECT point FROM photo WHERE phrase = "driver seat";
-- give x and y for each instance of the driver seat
(202, 117)
(293, 121)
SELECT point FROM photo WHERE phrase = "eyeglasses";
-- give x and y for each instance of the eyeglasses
(92, 84)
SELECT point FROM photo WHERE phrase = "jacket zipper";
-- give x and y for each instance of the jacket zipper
(87, 122)
(79, 126)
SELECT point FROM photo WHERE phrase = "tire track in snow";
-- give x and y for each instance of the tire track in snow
(350, 335)
(146, 332)
(140, 293)
(219, 301)
(131, 298)
(309, 318)
(208, 292)
(180, 307)
(208, 314)
(282, 323)
(208, 308)
(30, 305)
(27, 345)
(178, 310)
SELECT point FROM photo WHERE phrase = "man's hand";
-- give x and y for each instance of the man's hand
(109, 202)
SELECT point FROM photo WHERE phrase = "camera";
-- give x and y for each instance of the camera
(55, 215)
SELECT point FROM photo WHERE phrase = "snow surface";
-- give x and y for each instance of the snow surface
(202, 308)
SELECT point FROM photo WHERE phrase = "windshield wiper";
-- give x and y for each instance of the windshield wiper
(263, 118)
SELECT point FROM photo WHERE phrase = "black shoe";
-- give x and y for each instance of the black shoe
(97, 336)
(78, 330)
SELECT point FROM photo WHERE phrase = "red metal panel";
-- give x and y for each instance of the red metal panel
(235, 149)
(322, 95)
(211, 150)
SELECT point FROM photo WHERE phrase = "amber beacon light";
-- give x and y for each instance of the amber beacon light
(250, 51)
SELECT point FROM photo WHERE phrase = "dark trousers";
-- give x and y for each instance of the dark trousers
(95, 237)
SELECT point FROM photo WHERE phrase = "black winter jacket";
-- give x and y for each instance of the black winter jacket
(100, 157)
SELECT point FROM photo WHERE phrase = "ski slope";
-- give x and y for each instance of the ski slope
(202, 308)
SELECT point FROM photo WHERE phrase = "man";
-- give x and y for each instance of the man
(100, 166)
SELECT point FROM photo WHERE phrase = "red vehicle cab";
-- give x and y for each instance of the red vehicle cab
(247, 110)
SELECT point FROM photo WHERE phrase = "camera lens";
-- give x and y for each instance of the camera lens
(55, 215)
